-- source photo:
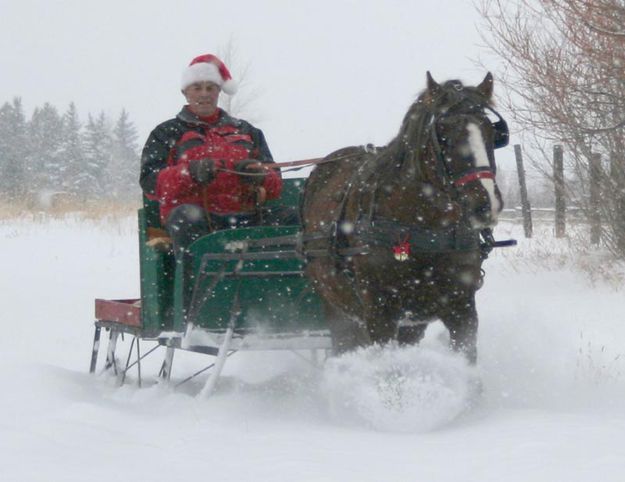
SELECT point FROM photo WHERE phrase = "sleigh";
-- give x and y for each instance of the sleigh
(249, 293)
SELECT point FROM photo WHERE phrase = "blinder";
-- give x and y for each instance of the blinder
(502, 133)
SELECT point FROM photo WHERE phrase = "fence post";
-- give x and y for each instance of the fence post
(558, 180)
(525, 203)
(595, 192)
(617, 184)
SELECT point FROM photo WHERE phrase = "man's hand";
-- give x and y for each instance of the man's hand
(251, 171)
(202, 170)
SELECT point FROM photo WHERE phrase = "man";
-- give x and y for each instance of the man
(207, 169)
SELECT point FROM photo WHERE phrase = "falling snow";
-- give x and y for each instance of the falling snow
(551, 368)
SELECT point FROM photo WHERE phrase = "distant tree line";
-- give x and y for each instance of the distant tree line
(54, 152)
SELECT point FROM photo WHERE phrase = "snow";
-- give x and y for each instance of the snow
(551, 367)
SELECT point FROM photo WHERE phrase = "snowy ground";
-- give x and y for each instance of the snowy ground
(552, 363)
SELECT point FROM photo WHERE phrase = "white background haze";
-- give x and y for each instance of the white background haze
(329, 73)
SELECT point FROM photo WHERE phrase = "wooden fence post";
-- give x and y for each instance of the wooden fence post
(525, 203)
(558, 180)
(595, 192)
(617, 183)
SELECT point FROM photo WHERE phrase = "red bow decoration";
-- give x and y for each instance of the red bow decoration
(401, 251)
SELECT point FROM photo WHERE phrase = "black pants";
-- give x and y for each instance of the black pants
(188, 222)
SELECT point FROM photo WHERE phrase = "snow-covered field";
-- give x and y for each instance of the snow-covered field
(552, 364)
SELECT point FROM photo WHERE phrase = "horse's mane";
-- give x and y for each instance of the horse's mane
(413, 139)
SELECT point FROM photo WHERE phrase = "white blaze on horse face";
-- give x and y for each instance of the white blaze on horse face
(478, 148)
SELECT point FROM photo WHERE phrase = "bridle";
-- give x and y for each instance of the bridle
(476, 172)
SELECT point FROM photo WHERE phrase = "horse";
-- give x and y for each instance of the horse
(399, 226)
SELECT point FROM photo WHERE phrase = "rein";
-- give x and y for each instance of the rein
(316, 160)
(293, 165)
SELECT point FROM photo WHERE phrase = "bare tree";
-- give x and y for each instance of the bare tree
(562, 62)
(243, 103)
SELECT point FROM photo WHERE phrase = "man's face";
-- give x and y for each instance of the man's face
(202, 98)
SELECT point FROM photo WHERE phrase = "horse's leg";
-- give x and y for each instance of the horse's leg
(339, 306)
(380, 318)
(460, 318)
(411, 334)
(348, 333)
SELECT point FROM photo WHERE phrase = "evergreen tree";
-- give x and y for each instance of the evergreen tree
(72, 150)
(124, 166)
(13, 150)
(54, 153)
(91, 181)
(6, 143)
(45, 166)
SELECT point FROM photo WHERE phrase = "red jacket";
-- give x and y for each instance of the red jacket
(170, 147)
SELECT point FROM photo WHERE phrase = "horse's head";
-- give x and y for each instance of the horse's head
(463, 141)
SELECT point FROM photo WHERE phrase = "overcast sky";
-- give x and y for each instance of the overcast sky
(328, 73)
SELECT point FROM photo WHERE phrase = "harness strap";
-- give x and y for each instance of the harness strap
(484, 173)
(384, 232)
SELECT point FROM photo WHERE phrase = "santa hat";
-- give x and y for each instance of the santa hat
(208, 68)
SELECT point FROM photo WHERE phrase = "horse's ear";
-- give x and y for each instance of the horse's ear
(486, 87)
(433, 86)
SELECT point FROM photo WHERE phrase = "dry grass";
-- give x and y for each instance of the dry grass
(93, 210)
(542, 251)
(545, 252)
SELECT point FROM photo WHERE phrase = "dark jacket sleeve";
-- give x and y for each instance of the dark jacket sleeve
(159, 180)
(273, 180)
(154, 159)
(264, 154)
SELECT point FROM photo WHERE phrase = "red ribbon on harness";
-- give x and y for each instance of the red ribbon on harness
(401, 251)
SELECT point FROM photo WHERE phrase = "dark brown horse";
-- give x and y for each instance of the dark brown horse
(401, 224)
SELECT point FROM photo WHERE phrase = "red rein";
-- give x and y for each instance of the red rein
(474, 176)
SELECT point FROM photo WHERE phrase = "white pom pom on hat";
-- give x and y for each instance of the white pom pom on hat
(208, 68)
